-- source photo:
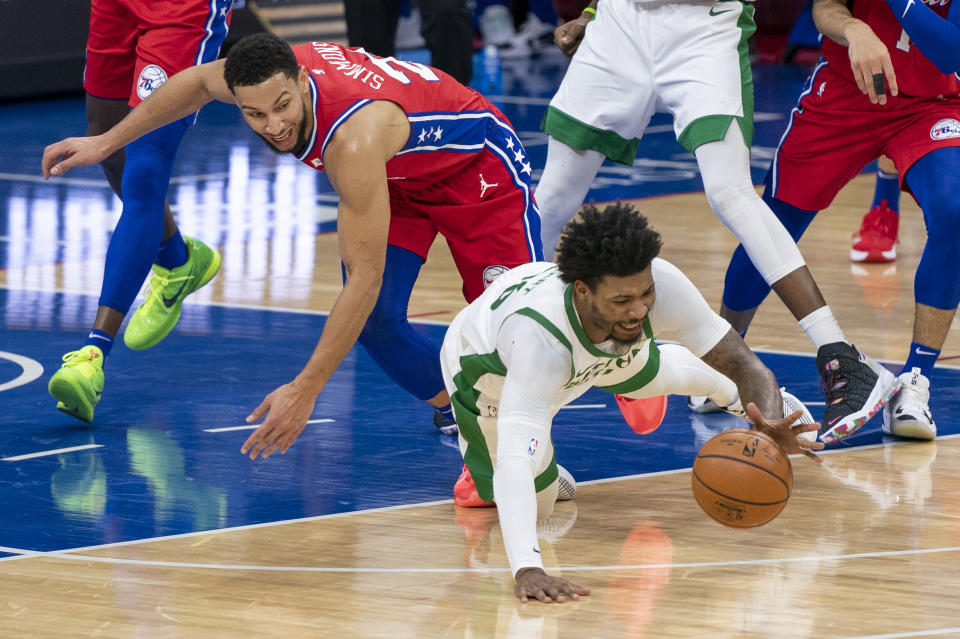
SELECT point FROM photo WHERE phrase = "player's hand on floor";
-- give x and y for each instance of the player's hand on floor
(288, 408)
(567, 36)
(60, 157)
(536, 584)
(786, 432)
(870, 63)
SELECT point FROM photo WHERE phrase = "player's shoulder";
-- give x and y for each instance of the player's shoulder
(663, 270)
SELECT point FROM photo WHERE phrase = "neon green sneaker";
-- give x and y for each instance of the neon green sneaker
(159, 314)
(78, 384)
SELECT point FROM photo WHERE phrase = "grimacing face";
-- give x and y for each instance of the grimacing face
(615, 307)
(276, 110)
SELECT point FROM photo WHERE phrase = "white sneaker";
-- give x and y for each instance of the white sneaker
(496, 25)
(567, 485)
(701, 404)
(908, 413)
(532, 36)
(790, 405)
(408, 32)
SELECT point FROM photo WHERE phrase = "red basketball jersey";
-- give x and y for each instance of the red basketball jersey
(448, 121)
(916, 75)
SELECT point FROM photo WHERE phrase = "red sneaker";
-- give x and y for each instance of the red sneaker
(877, 238)
(465, 492)
(643, 415)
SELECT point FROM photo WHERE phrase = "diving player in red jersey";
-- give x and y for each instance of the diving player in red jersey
(410, 152)
(887, 84)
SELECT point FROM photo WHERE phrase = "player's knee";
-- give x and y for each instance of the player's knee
(943, 219)
(733, 203)
(385, 325)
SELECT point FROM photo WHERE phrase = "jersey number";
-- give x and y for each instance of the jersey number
(388, 65)
(904, 42)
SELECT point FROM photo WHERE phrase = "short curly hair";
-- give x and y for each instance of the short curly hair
(257, 58)
(616, 241)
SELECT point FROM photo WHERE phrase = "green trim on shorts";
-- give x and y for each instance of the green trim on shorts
(583, 136)
(467, 413)
(642, 378)
(712, 128)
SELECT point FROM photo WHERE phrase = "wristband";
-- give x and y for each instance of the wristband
(591, 11)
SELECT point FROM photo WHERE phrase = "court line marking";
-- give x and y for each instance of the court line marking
(254, 426)
(266, 524)
(31, 369)
(913, 633)
(487, 569)
(579, 406)
(46, 453)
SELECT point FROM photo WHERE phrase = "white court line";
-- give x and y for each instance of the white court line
(914, 633)
(486, 570)
(51, 452)
(253, 426)
(576, 406)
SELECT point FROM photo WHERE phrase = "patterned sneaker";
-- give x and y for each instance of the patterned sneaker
(159, 314)
(465, 492)
(445, 423)
(877, 238)
(78, 384)
(908, 413)
(855, 386)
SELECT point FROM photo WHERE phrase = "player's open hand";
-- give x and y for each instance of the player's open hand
(568, 35)
(535, 583)
(786, 432)
(870, 63)
(62, 156)
(289, 408)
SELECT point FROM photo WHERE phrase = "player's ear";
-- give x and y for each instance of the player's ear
(302, 79)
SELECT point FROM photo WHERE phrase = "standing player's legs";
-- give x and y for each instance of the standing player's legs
(125, 49)
(934, 180)
(603, 104)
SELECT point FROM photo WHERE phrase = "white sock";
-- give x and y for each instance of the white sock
(821, 327)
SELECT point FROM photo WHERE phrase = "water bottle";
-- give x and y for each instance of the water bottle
(492, 71)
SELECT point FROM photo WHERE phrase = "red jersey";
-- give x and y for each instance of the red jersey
(916, 75)
(448, 121)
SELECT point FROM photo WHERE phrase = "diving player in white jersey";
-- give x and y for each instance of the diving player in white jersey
(543, 334)
(690, 58)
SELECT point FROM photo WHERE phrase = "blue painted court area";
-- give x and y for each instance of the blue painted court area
(148, 466)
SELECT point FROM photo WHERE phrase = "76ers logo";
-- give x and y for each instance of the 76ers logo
(944, 129)
(491, 273)
(150, 78)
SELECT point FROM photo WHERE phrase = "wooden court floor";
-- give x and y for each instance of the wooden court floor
(868, 546)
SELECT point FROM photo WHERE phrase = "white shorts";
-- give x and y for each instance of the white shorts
(689, 59)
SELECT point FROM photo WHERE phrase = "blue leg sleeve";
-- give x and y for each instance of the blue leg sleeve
(935, 181)
(743, 286)
(407, 357)
(139, 232)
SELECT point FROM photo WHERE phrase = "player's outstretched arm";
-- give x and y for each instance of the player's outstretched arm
(568, 35)
(869, 57)
(178, 97)
(356, 165)
(535, 583)
(755, 382)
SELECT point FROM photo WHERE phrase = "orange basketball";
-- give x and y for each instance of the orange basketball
(742, 478)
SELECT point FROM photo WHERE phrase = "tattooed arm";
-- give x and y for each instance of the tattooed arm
(755, 382)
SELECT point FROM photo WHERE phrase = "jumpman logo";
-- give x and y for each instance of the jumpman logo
(484, 186)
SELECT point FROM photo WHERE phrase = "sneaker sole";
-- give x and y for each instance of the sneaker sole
(912, 430)
(69, 402)
(877, 400)
(868, 257)
(212, 269)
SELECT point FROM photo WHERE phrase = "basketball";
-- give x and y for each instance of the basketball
(742, 478)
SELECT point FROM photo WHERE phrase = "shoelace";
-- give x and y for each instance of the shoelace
(158, 284)
(75, 357)
(878, 222)
(833, 380)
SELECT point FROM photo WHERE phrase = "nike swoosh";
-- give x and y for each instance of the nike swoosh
(832, 421)
(714, 12)
(170, 301)
(920, 351)
(536, 550)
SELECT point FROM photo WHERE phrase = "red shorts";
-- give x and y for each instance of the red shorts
(135, 45)
(486, 212)
(835, 131)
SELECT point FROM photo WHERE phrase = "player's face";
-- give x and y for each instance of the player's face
(276, 110)
(616, 306)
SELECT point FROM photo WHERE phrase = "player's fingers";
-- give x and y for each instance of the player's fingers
(891, 76)
(271, 449)
(259, 410)
(812, 455)
(254, 437)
